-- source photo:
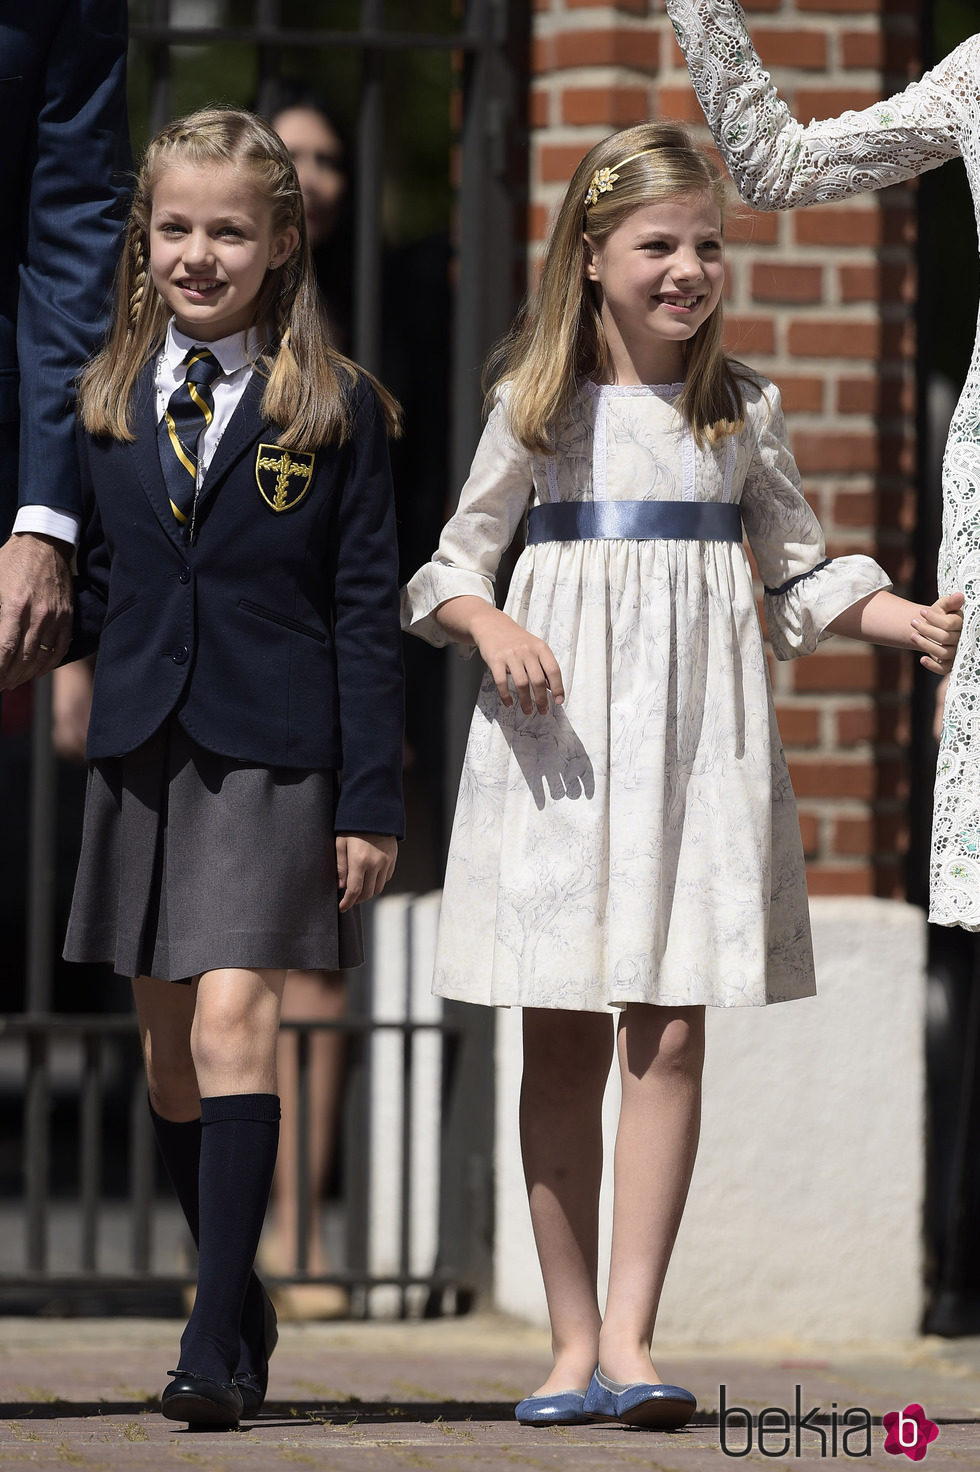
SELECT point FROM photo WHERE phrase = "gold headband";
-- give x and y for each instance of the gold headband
(604, 179)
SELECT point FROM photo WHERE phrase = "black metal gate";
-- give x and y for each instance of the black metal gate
(79, 1076)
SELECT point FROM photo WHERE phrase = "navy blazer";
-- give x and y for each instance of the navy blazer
(65, 140)
(274, 634)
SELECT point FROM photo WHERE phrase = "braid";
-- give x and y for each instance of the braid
(138, 287)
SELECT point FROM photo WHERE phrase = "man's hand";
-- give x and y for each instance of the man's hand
(35, 606)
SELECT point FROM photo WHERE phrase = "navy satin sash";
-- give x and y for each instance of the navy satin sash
(582, 521)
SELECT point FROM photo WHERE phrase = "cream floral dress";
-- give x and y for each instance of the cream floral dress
(776, 163)
(639, 843)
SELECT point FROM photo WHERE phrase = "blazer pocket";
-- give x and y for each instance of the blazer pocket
(283, 619)
(120, 608)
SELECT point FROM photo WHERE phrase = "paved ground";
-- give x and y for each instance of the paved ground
(439, 1395)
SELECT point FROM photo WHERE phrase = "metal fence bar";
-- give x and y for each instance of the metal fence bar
(268, 47)
(304, 1205)
(357, 1151)
(142, 1158)
(470, 342)
(158, 38)
(370, 143)
(405, 1233)
(66, 1281)
(77, 1025)
(153, 33)
(90, 1148)
(40, 854)
(37, 1151)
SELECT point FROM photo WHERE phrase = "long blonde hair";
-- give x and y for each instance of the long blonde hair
(558, 337)
(309, 388)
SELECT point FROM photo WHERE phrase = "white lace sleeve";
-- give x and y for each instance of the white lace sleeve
(804, 590)
(491, 505)
(775, 161)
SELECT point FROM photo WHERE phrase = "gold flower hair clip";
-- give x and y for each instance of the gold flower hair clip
(604, 179)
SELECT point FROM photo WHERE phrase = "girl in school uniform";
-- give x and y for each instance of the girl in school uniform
(626, 848)
(238, 572)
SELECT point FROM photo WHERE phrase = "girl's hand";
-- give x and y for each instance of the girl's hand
(937, 633)
(513, 655)
(365, 863)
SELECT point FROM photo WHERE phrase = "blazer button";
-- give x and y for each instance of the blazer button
(184, 576)
(180, 655)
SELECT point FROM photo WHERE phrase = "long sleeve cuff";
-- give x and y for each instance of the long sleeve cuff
(43, 521)
(433, 584)
(798, 613)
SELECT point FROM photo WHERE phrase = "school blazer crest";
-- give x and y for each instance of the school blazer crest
(283, 476)
(274, 635)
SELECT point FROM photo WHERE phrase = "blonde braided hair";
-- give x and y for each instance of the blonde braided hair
(140, 273)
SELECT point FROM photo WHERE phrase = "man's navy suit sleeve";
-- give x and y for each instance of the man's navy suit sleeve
(76, 193)
(92, 580)
(367, 634)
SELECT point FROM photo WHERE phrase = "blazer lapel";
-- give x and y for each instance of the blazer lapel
(146, 452)
(244, 427)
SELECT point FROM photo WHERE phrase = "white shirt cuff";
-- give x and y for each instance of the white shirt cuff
(47, 522)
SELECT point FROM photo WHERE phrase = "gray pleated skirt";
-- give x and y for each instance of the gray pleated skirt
(192, 861)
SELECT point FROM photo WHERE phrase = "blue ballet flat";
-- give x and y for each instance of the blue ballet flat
(666, 1407)
(565, 1408)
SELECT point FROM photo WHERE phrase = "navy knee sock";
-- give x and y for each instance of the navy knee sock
(180, 1146)
(238, 1139)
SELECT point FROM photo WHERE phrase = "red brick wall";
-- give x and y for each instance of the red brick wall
(822, 301)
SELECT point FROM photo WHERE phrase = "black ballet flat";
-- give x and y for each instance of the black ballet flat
(201, 1402)
(252, 1387)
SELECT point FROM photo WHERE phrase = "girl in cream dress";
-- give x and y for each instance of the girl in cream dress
(626, 842)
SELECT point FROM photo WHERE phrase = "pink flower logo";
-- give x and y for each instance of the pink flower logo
(909, 1431)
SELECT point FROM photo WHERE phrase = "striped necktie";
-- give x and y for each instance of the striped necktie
(190, 411)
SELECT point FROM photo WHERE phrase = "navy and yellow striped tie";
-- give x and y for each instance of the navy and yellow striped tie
(189, 412)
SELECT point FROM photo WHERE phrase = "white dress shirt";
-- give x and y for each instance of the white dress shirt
(236, 354)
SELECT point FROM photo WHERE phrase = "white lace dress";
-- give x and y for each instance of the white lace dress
(639, 843)
(777, 163)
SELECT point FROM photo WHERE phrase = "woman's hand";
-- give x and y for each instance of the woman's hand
(365, 863)
(513, 656)
(937, 633)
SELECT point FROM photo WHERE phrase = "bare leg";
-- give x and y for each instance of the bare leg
(235, 1029)
(309, 996)
(166, 1015)
(566, 1064)
(216, 1036)
(661, 1056)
